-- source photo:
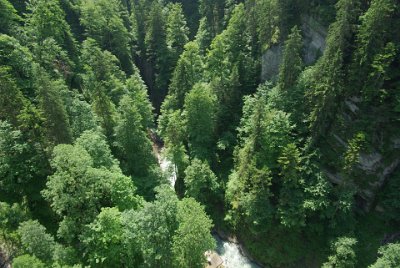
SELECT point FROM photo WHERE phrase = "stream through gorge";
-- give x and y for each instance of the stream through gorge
(229, 252)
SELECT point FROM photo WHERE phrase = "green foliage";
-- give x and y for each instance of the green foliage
(102, 84)
(10, 218)
(176, 32)
(20, 61)
(343, 253)
(231, 70)
(328, 73)
(54, 59)
(45, 20)
(292, 62)
(137, 90)
(11, 99)
(102, 75)
(213, 14)
(291, 196)
(134, 147)
(96, 145)
(389, 196)
(103, 239)
(8, 17)
(152, 229)
(187, 73)
(355, 146)
(374, 52)
(200, 109)
(389, 256)
(15, 166)
(53, 109)
(80, 115)
(157, 51)
(201, 183)
(27, 261)
(103, 22)
(172, 128)
(281, 166)
(77, 190)
(192, 238)
(36, 241)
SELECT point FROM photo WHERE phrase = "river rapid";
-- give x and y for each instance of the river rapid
(229, 252)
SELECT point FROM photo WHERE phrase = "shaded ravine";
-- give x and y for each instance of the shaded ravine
(230, 252)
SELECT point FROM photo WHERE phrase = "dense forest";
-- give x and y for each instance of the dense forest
(280, 118)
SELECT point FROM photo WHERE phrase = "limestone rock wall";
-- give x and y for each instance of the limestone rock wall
(314, 36)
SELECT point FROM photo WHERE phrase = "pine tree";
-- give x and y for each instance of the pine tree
(187, 73)
(157, 54)
(200, 108)
(292, 62)
(329, 73)
(134, 147)
(103, 21)
(375, 50)
(51, 105)
(47, 20)
(176, 33)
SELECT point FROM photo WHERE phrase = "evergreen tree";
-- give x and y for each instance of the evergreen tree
(103, 21)
(291, 196)
(20, 62)
(51, 105)
(329, 73)
(200, 108)
(187, 73)
(157, 54)
(292, 62)
(213, 12)
(46, 19)
(231, 70)
(202, 184)
(176, 33)
(137, 90)
(8, 17)
(134, 147)
(11, 99)
(375, 50)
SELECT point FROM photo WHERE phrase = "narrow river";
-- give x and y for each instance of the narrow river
(228, 251)
(232, 256)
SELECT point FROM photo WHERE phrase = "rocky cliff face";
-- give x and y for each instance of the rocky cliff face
(314, 36)
(376, 164)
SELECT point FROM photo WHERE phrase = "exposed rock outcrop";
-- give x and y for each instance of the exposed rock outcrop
(314, 36)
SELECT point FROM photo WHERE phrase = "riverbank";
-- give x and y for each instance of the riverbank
(238, 254)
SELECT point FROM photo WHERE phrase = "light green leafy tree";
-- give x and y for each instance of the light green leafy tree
(193, 237)
(36, 241)
(389, 256)
(27, 261)
(343, 254)
(103, 240)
